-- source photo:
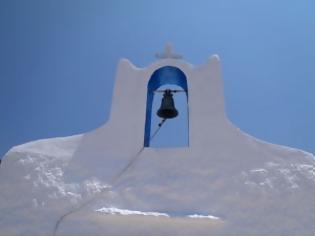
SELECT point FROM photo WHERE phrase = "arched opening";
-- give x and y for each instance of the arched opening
(175, 132)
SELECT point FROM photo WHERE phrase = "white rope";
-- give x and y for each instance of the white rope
(113, 183)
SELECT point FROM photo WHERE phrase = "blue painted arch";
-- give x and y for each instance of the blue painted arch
(162, 76)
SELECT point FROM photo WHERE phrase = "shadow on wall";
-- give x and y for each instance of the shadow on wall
(118, 225)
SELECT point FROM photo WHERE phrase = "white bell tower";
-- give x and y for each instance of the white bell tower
(128, 128)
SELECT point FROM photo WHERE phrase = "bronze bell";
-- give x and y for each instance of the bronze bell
(167, 109)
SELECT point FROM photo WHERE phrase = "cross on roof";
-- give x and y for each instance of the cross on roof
(168, 53)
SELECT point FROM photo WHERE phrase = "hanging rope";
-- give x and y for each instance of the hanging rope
(113, 182)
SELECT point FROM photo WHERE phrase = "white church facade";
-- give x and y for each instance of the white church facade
(112, 181)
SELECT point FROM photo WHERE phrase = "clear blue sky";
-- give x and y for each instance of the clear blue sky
(58, 60)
